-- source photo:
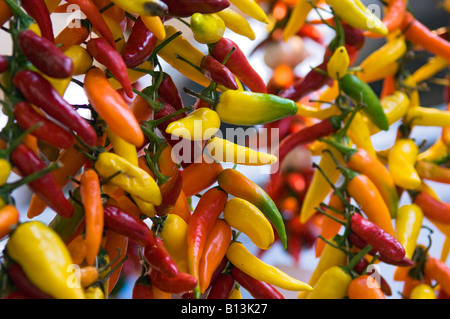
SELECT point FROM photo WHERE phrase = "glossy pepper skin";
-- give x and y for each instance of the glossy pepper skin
(219, 73)
(23, 284)
(181, 283)
(38, 91)
(38, 10)
(158, 258)
(401, 162)
(49, 131)
(186, 8)
(238, 64)
(45, 55)
(44, 258)
(257, 288)
(46, 187)
(249, 108)
(236, 184)
(207, 28)
(139, 46)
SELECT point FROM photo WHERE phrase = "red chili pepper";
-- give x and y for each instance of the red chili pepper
(179, 284)
(38, 91)
(208, 209)
(95, 17)
(23, 284)
(4, 64)
(222, 287)
(45, 55)
(100, 49)
(238, 64)
(46, 187)
(139, 46)
(127, 225)
(170, 192)
(383, 242)
(49, 131)
(186, 8)
(312, 82)
(439, 271)
(168, 92)
(258, 289)
(219, 73)
(142, 288)
(38, 10)
(433, 208)
(159, 259)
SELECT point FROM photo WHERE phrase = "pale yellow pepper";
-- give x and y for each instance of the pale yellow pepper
(199, 125)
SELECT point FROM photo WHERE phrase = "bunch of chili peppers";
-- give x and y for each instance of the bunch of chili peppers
(120, 192)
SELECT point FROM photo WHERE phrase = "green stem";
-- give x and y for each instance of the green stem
(161, 179)
(200, 96)
(179, 57)
(323, 212)
(154, 123)
(162, 45)
(357, 258)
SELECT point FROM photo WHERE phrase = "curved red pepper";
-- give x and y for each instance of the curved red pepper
(168, 92)
(222, 287)
(45, 55)
(49, 131)
(100, 49)
(159, 259)
(127, 225)
(258, 289)
(38, 10)
(432, 208)
(219, 73)
(170, 192)
(23, 284)
(139, 46)
(38, 91)
(238, 64)
(46, 187)
(186, 8)
(381, 241)
(181, 283)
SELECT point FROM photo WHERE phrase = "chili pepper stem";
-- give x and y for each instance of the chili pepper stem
(151, 124)
(161, 179)
(200, 96)
(356, 259)
(323, 212)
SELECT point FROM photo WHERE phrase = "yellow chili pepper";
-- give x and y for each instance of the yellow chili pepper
(436, 153)
(207, 28)
(247, 218)
(357, 15)
(223, 150)
(5, 170)
(237, 23)
(139, 7)
(130, 178)
(180, 46)
(401, 161)
(298, 18)
(407, 227)
(173, 232)
(45, 260)
(241, 258)
(319, 187)
(82, 60)
(116, 31)
(199, 125)
(445, 249)
(122, 147)
(395, 107)
(389, 53)
(251, 8)
(381, 73)
(429, 69)
(423, 291)
(317, 113)
(155, 25)
(339, 62)
(94, 292)
(412, 91)
(359, 133)
(235, 293)
(427, 116)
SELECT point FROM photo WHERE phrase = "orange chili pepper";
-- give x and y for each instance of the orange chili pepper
(165, 162)
(77, 249)
(9, 217)
(88, 275)
(439, 271)
(199, 176)
(216, 246)
(71, 35)
(141, 109)
(114, 241)
(182, 207)
(93, 208)
(5, 12)
(433, 172)
(109, 104)
(365, 287)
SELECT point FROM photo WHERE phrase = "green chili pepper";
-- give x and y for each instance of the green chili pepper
(361, 92)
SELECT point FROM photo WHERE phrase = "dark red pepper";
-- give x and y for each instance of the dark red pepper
(139, 46)
(23, 284)
(127, 225)
(49, 131)
(238, 64)
(168, 92)
(159, 259)
(219, 73)
(170, 192)
(179, 284)
(100, 49)
(383, 242)
(4, 64)
(222, 287)
(46, 187)
(186, 8)
(45, 55)
(258, 289)
(142, 288)
(38, 10)
(38, 91)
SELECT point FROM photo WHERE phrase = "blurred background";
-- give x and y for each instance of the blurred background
(310, 53)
